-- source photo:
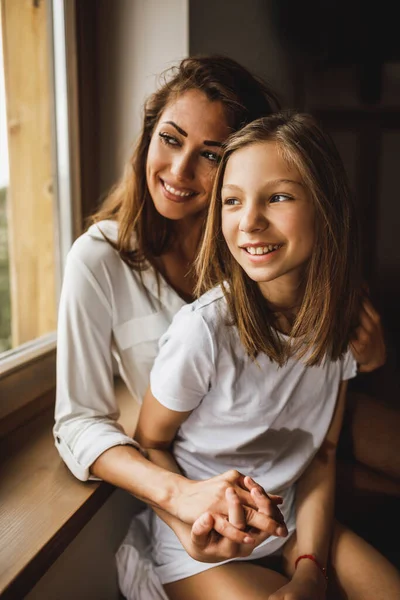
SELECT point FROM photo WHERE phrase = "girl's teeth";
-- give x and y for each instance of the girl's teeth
(262, 249)
(172, 190)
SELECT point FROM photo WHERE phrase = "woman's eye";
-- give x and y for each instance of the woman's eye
(230, 201)
(168, 139)
(211, 156)
(279, 198)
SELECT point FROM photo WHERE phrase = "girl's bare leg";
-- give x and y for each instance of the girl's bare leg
(358, 571)
(233, 581)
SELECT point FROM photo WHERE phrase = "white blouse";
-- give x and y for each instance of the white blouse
(106, 310)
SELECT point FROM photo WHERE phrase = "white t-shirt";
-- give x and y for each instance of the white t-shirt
(106, 309)
(264, 420)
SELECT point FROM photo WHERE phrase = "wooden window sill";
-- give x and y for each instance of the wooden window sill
(42, 506)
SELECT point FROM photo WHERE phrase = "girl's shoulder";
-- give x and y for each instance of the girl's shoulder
(207, 313)
(211, 306)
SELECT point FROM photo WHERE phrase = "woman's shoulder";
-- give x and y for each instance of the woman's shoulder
(95, 246)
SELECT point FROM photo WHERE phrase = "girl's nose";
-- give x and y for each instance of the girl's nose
(252, 220)
(183, 167)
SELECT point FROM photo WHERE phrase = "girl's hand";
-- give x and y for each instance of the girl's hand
(368, 344)
(209, 496)
(203, 543)
(298, 590)
(308, 583)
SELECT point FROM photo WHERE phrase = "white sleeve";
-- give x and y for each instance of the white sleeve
(86, 410)
(182, 372)
(349, 366)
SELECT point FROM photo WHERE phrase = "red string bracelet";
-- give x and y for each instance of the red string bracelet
(312, 557)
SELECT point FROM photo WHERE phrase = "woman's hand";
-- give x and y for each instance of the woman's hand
(203, 543)
(209, 496)
(368, 344)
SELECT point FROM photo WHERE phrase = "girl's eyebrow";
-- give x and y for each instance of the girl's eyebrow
(279, 181)
(184, 133)
(268, 184)
(231, 186)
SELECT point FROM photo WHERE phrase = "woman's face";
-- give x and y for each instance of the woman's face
(184, 153)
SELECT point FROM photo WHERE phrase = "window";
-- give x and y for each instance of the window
(38, 178)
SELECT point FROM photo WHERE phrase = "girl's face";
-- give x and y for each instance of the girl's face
(267, 217)
(184, 153)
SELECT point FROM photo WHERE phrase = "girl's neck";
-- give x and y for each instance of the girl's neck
(284, 301)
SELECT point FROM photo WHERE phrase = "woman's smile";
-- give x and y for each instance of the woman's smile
(175, 193)
(183, 155)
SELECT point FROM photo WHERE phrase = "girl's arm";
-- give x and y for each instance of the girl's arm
(156, 430)
(315, 493)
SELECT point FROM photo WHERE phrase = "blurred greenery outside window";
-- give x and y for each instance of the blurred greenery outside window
(5, 304)
(5, 300)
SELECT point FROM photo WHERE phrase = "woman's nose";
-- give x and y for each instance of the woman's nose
(183, 167)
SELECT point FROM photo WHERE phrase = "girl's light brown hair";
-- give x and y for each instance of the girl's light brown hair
(331, 298)
(143, 233)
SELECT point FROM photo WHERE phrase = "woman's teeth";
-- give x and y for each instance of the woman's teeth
(262, 249)
(172, 190)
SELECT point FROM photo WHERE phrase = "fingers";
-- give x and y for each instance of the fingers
(368, 308)
(201, 530)
(235, 510)
(229, 531)
(266, 503)
(264, 522)
(368, 343)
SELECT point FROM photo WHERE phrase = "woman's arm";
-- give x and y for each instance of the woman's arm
(368, 344)
(156, 431)
(86, 410)
(87, 434)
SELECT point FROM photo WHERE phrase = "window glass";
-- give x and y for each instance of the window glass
(29, 232)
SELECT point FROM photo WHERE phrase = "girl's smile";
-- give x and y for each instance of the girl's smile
(267, 217)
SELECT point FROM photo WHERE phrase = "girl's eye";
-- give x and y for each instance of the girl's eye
(279, 198)
(230, 201)
(211, 156)
(168, 139)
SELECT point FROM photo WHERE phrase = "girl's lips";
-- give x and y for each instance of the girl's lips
(175, 197)
(260, 258)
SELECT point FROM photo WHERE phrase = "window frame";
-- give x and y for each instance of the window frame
(28, 372)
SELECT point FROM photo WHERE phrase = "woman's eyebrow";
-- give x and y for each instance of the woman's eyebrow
(181, 131)
(184, 133)
(212, 143)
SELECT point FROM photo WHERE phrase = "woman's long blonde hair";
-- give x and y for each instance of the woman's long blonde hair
(331, 298)
(143, 233)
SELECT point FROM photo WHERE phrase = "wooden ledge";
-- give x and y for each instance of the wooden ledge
(42, 506)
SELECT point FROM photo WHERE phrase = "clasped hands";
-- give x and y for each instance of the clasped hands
(225, 517)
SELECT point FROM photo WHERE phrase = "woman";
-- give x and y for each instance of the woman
(130, 273)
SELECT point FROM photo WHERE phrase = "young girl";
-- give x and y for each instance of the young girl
(252, 376)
